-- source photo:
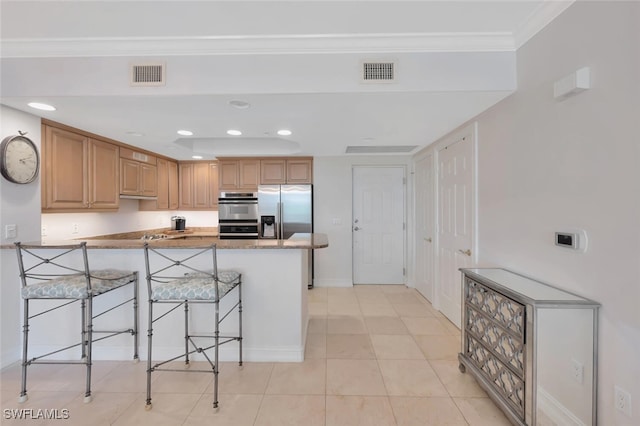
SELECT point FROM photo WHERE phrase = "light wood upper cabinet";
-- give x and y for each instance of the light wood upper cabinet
(79, 173)
(198, 185)
(286, 170)
(138, 174)
(173, 185)
(239, 173)
(214, 190)
(167, 187)
(103, 175)
(300, 170)
(185, 179)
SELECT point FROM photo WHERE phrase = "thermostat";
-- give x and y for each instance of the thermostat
(576, 240)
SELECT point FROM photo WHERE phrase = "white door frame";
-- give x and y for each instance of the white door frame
(417, 240)
(404, 208)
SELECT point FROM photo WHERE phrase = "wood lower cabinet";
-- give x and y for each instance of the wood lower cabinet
(79, 173)
(198, 185)
(286, 171)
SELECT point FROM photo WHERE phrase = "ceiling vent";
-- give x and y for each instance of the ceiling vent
(148, 75)
(378, 72)
(380, 149)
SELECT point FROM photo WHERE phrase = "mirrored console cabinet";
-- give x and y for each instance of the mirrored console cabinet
(531, 346)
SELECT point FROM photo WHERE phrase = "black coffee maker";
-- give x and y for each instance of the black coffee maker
(179, 223)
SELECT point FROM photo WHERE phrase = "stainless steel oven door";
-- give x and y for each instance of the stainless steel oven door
(237, 210)
(238, 230)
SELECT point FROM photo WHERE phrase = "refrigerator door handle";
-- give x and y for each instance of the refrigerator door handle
(280, 224)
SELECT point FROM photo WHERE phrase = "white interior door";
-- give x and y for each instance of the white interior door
(378, 225)
(425, 237)
(455, 222)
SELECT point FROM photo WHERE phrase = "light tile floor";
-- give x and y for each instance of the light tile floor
(375, 355)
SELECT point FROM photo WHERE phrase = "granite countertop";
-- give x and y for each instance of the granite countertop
(297, 241)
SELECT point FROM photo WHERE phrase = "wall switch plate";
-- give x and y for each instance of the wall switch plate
(43, 231)
(10, 231)
(75, 228)
(622, 400)
(573, 239)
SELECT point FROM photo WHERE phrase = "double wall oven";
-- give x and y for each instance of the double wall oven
(238, 215)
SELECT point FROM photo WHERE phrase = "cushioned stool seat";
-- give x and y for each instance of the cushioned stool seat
(75, 286)
(197, 286)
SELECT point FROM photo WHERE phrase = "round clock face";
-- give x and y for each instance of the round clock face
(19, 160)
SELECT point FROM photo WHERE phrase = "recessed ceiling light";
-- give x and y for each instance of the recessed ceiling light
(234, 132)
(185, 132)
(44, 107)
(239, 104)
(284, 132)
(197, 157)
(131, 133)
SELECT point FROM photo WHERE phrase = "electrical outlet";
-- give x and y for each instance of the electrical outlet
(622, 400)
(43, 232)
(75, 229)
(577, 371)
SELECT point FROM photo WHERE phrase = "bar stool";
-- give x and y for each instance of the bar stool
(62, 273)
(182, 277)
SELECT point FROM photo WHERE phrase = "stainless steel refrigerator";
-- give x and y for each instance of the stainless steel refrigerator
(285, 210)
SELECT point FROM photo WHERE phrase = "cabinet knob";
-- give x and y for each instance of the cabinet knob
(428, 239)
(467, 252)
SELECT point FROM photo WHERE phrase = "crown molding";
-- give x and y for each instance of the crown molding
(262, 45)
(540, 18)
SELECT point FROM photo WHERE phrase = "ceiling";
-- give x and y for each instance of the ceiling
(297, 64)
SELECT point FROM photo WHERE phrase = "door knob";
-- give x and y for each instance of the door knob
(356, 228)
(467, 252)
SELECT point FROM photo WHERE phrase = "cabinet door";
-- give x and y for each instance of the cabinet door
(64, 169)
(148, 180)
(299, 171)
(201, 185)
(163, 184)
(273, 172)
(129, 177)
(228, 174)
(173, 184)
(249, 174)
(186, 186)
(104, 171)
(214, 191)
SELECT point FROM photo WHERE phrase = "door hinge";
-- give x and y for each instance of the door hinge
(404, 272)
(404, 226)
(404, 180)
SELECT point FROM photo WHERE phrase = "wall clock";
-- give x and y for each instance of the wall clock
(19, 159)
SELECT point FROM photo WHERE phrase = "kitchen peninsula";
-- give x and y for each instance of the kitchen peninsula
(274, 294)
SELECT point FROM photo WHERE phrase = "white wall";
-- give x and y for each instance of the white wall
(59, 226)
(20, 206)
(332, 199)
(546, 166)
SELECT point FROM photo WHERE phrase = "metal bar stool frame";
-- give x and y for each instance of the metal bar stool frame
(175, 275)
(83, 285)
